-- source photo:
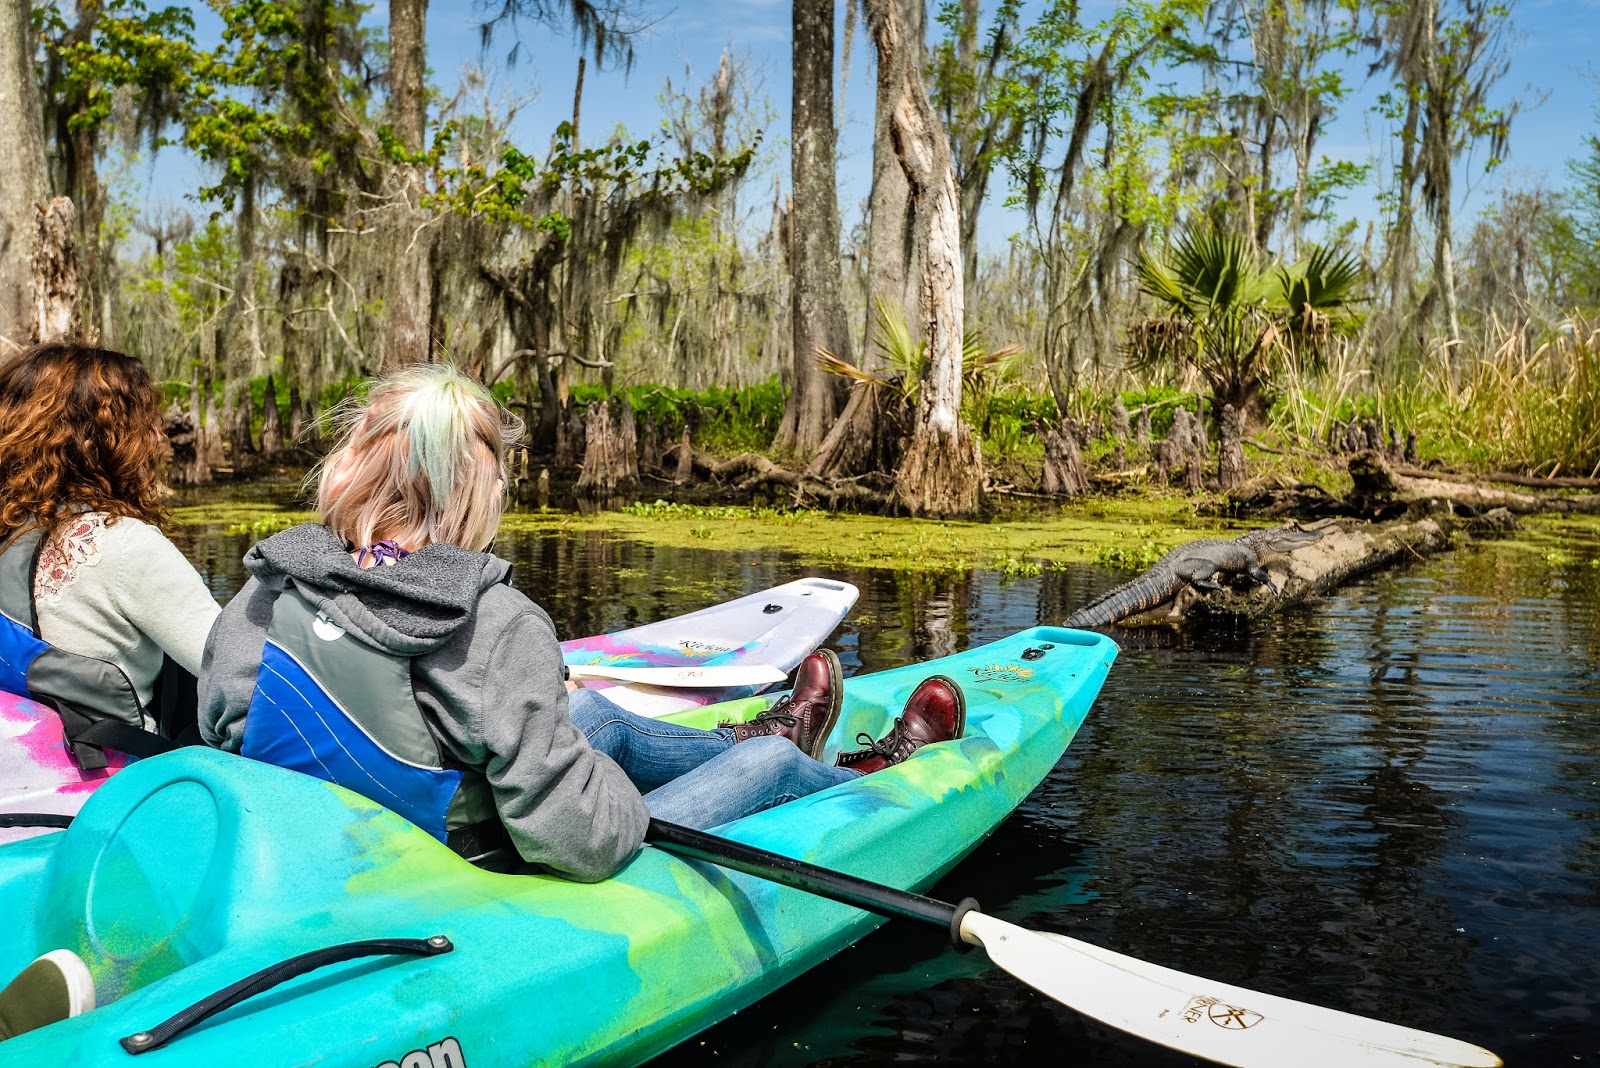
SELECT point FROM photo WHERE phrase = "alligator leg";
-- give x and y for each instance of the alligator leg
(1200, 575)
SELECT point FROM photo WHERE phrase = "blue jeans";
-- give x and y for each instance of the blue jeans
(698, 778)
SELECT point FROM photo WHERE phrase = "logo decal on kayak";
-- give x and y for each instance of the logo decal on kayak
(1229, 1017)
(443, 1054)
(694, 648)
(1002, 673)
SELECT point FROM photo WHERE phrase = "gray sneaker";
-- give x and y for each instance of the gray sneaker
(54, 987)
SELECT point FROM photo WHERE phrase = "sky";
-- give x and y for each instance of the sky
(1551, 72)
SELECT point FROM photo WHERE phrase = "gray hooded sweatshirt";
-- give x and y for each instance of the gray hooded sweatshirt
(486, 670)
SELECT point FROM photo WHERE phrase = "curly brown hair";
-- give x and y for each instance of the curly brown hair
(80, 427)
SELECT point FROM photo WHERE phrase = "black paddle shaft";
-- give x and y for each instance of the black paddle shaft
(834, 885)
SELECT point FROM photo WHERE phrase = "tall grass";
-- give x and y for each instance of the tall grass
(1523, 402)
(1530, 408)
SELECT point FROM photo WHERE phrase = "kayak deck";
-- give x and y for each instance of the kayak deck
(270, 864)
(775, 627)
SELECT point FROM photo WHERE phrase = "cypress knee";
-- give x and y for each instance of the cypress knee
(1063, 464)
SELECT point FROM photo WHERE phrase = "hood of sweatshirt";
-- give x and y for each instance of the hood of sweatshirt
(409, 608)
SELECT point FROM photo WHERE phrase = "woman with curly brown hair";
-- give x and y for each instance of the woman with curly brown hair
(93, 598)
(92, 594)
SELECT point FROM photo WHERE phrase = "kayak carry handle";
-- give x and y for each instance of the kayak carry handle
(34, 819)
(824, 882)
(276, 975)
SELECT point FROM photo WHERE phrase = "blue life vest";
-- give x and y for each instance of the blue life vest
(97, 702)
(328, 704)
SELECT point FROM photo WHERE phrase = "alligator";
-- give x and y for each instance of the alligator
(1194, 564)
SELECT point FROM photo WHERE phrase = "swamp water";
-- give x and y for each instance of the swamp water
(1387, 803)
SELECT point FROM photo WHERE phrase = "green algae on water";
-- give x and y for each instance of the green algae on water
(1019, 544)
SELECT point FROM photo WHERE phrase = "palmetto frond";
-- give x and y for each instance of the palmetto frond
(1205, 271)
(904, 358)
(1321, 291)
(837, 365)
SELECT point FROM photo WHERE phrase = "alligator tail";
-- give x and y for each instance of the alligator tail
(1128, 599)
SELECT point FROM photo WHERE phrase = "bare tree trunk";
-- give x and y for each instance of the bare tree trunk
(408, 297)
(942, 470)
(894, 263)
(239, 341)
(271, 423)
(57, 312)
(819, 320)
(1230, 449)
(188, 464)
(684, 470)
(23, 178)
(1444, 266)
(610, 457)
(976, 130)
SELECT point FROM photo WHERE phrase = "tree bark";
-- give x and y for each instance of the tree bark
(24, 182)
(610, 457)
(240, 340)
(57, 311)
(271, 423)
(1230, 450)
(818, 304)
(408, 300)
(942, 470)
(188, 464)
(894, 264)
(977, 131)
(1064, 475)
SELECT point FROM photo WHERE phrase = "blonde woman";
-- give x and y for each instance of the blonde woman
(384, 649)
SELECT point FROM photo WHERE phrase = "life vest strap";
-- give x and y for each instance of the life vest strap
(87, 739)
(479, 840)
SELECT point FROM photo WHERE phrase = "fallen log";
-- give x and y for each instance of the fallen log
(1380, 489)
(1507, 477)
(1347, 550)
(750, 471)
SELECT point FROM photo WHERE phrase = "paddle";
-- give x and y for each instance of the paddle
(1226, 1024)
(710, 677)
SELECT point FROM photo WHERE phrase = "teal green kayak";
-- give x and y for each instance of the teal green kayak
(189, 872)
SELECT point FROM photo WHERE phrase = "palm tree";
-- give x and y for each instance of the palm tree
(1237, 322)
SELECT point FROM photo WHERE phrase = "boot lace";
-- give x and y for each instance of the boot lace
(893, 747)
(775, 714)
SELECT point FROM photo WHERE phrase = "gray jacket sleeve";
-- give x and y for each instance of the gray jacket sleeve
(228, 669)
(567, 807)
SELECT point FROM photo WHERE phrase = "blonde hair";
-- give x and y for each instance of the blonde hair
(421, 460)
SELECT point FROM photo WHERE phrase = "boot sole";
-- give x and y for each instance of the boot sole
(824, 730)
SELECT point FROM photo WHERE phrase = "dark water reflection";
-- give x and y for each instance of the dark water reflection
(1389, 803)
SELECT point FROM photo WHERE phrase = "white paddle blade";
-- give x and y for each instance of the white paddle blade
(713, 677)
(1431, 1047)
(1221, 1023)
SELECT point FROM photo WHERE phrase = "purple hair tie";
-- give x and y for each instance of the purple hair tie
(385, 551)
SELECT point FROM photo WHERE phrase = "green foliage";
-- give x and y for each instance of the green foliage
(666, 510)
(1233, 321)
(1528, 403)
(1138, 553)
(720, 420)
(1012, 567)
(905, 362)
(260, 528)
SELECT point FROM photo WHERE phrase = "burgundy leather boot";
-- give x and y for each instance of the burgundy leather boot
(936, 711)
(807, 714)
